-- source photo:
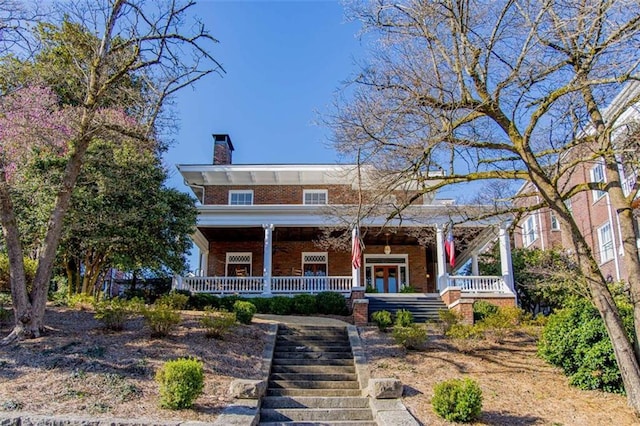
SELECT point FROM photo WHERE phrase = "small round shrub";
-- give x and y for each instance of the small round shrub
(199, 301)
(227, 302)
(173, 300)
(244, 311)
(483, 309)
(281, 305)
(113, 313)
(464, 332)
(305, 304)
(262, 304)
(382, 319)
(448, 319)
(80, 301)
(413, 336)
(404, 318)
(161, 319)
(408, 289)
(217, 323)
(331, 303)
(181, 382)
(457, 400)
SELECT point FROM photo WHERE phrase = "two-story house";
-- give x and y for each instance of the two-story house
(592, 210)
(266, 229)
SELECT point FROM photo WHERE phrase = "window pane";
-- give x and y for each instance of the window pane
(315, 197)
(241, 198)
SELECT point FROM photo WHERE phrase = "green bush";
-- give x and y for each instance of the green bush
(408, 289)
(281, 305)
(382, 319)
(448, 318)
(244, 311)
(173, 300)
(181, 382)
(217, 323)
(161, 319)
(305, 304)
(483, 309)
(5, 299)
(30, 267)
(81, 301)
(404, 318)
(413, 336)
(464, 332)
(371, 289)
(113, 313)
(227, 302)
(331, 303)
(199, 301)
(262, 304)
(457, 400)
(576, 340)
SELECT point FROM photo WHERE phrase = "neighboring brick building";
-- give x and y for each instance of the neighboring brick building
(277, 228)
(592, 210)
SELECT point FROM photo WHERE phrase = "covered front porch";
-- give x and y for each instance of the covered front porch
(273, 260)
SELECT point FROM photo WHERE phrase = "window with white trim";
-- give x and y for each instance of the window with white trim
(529, 231)
(555, 223)
(315, 196)
(239, 264)
(598, 175)
(241, 197)
(314, 264)
(605, 241)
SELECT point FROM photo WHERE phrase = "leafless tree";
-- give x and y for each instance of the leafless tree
(507, 90)
(162, 47)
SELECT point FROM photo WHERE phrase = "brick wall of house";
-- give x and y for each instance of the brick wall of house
(218, 256)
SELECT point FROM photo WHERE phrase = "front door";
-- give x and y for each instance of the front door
(386, 278)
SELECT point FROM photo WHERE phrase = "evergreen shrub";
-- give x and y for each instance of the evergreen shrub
(483, 309)
(382, 319)
(262, 304)
(305, 304)
(173, 300)
(413, 336)
(404, 318)
(181, 382)
(199, 301)
(161, 319)
(281, 305)
(217, 323)
(331, 303)
(113, 313)
(457, 400)
(244, 311)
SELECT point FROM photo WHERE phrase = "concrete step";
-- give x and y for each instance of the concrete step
(313, 340)
(311, 355)
(314, 402)
(313, 376)
(311, 414)
(312, 384)
(298, 361)
(324, 423)
(313, 392)
(310, 347)
(314, 369)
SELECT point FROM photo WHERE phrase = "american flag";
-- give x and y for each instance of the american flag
(356, 251)
(450, 247)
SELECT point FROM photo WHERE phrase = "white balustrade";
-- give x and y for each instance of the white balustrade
(478, 284)
(223, 285)
(255, 285)
(310, 285)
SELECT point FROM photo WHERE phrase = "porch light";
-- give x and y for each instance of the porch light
(387, 247)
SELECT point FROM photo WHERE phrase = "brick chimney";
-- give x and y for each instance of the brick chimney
(222, 149)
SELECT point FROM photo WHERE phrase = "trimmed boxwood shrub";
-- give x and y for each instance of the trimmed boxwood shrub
(331, 303)
(227, 302)
(457, 400)
(244, 311)
(199, 301)
(181, 382)
(305, 304)
(483, 309)
(281, 305)
(262, 304)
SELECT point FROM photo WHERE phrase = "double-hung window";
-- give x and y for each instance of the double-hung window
(605, 241)
(529, 231)
(598, 176)
(241, 197)
(315, 196)
(555, 223)
(238, 264)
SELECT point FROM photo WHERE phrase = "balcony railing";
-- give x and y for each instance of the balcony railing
(479, 284)
(255, 285)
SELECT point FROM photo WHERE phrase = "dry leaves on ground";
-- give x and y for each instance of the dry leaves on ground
(518, 387)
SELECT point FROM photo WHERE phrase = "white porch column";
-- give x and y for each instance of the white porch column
(474, 265)
(355, 272)
(266, 270)
(505, 258)
(204, 263)
(441, 258)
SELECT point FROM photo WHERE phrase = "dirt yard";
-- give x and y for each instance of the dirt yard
(81, 369)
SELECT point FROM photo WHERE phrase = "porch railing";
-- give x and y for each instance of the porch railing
(311, 285)
(479, 284)
(255, 285)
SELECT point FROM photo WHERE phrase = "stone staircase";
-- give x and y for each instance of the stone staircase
(313, 380)
(423, 306)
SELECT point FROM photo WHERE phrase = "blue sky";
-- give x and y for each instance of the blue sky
(284, 61)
